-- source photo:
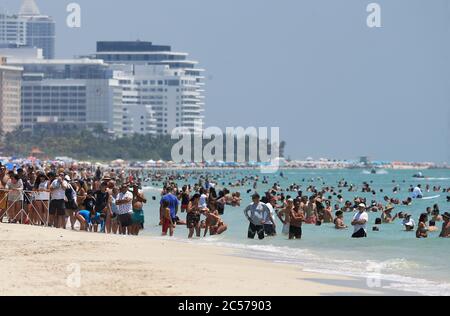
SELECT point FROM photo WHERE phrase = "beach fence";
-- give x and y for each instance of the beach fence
(23, 207)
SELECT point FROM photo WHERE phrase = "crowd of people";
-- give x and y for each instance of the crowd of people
(112, 201)
(61, 197)
(317, 209)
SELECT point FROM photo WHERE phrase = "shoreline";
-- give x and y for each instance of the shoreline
(46, 261)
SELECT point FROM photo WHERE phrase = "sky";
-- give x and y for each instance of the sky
(335, 87)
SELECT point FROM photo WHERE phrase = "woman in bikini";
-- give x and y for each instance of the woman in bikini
(213, 221)
(193, 216)
(422, 229)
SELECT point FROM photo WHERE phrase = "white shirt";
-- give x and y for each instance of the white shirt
(125, 208)
(60, 192)
(272, 212)
(43, 196)
(409, 222)
(15, 195)
(417, 193)
(358, 217)
(258, 213)
(202, 201)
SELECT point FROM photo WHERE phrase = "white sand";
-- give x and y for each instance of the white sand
(43, 261)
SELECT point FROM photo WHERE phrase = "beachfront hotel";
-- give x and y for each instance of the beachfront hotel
(10, 93)
(12, 29)
(164, 84)
(29, 28)
(57, 93)
(128, 87)
(124, 98)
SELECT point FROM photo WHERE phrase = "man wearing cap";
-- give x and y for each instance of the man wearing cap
(256, 213)
(445, 226)
(360, 222)
(124, 209)
(57, 208)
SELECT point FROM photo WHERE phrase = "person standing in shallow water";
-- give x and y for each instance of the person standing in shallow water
(256, 213)
(360, 222)
(138, 213)
(445, 233)
(193, 216)
(296, 218)
(168, 224)
(284, 216)
(422, 228)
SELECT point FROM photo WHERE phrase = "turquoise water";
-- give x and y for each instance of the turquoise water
(397, 257)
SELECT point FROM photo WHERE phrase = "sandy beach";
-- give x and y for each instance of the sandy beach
(45, 261)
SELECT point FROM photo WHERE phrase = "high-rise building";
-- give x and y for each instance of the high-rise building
(13, 29)
(40, 29)
(29, 28)
(159, 80)
(10, 94)
(78, 93)
(133, 117)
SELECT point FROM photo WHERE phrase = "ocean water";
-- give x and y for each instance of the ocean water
(392, 258)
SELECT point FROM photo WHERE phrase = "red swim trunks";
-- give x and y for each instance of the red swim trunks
(166, 225)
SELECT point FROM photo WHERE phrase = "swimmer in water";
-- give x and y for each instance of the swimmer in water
(214, 222)
(445, 233)
(339, 220)
(422, 228)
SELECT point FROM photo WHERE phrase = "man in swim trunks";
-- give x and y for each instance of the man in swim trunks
(296, 218)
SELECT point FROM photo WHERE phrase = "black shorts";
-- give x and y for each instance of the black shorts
(192, 220)
(255, 229)
(125, 220)
(269, 229)
(360, 234)
(57, 207)
(71, 205)
(295, 232)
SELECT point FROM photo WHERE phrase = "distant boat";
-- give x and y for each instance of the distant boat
(373, 171)
(419, 175)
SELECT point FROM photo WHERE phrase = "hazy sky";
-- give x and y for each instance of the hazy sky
(335, 87)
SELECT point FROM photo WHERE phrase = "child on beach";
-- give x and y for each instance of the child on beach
(167, 220)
